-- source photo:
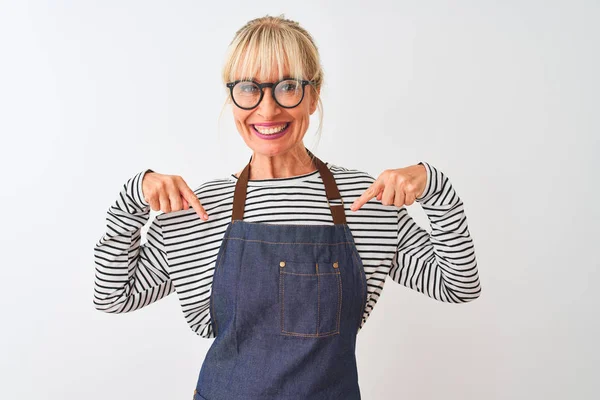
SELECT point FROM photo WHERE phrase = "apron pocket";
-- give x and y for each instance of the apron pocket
(310, 295)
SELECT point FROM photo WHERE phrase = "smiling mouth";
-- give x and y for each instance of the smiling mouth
(271, 130)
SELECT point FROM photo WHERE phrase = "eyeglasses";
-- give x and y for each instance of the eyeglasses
(287, 93)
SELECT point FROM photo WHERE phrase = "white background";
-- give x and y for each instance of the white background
(500, 96)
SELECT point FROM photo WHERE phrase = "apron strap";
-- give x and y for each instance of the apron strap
(331, 191)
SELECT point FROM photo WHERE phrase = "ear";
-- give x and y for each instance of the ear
(314, 100)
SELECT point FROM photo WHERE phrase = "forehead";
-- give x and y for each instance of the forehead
(266, 67)
(260, 75)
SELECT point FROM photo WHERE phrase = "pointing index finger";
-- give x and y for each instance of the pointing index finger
(368, 194)
(193, 201)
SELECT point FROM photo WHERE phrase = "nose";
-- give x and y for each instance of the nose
(268, 108)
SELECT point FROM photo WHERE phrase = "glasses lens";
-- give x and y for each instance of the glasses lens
(246, 94)
(289, 92)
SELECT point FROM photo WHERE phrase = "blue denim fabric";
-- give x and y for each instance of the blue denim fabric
(286, 304)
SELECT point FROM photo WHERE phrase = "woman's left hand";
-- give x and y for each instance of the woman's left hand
(395, 186)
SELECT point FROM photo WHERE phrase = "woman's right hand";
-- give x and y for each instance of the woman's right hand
(169, 193)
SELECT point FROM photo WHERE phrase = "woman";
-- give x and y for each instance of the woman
(284, 261)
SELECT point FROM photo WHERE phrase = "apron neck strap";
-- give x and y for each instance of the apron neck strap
(331, 191)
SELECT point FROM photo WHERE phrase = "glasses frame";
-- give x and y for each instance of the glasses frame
(263, 85)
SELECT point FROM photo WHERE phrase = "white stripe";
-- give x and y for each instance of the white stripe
(181, 250)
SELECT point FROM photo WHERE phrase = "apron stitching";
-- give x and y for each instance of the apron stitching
(339, 299)
(282, 293)
(330, 333)
(363, 295)
(321, 273)
(318, 304)
(361, 272)
(213, 287)
(264, 241)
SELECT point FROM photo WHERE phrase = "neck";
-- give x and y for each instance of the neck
(294, 162)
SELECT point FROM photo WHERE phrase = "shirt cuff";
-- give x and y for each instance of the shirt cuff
(139, 194)
(428, 186)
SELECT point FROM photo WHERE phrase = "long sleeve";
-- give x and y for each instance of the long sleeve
(441, 265)
(128, 275)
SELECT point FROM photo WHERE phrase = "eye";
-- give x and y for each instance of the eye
(289, 86)
(247, 87)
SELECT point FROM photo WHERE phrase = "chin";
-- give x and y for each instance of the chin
(266, 146)
(270, 149)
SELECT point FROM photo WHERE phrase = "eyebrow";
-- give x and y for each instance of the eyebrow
(255, 80)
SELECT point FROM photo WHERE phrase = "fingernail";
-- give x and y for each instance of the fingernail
(205, 216)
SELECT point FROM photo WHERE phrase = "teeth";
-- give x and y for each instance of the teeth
(270, 130)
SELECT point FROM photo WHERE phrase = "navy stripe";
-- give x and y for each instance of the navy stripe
(181, 249)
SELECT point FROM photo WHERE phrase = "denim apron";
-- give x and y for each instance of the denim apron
(286, 305)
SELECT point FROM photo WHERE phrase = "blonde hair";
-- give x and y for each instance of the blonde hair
(267, 42)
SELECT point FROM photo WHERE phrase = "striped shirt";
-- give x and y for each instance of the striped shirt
(181, 249)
